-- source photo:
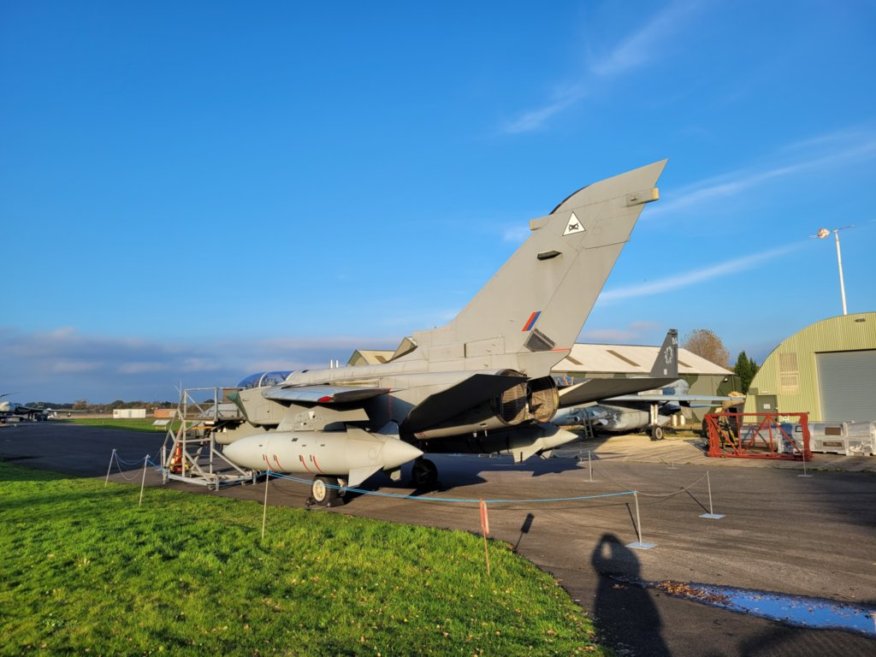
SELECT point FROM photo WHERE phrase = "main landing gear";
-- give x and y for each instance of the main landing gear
(424, 473)
(325, 491)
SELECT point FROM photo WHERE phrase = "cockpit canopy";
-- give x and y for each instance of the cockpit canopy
(263, 379)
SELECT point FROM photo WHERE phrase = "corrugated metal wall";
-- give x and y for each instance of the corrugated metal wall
(791, 372)
(847, 384)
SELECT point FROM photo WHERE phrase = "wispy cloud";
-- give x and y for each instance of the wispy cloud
(631, 334)
(697, 276)
(534, 119)
(646, 44)
(802, 157)
(643, 47)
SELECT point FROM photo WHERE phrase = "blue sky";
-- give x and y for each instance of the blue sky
(190, 192)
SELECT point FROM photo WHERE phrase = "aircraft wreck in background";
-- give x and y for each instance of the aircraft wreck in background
(15, 412)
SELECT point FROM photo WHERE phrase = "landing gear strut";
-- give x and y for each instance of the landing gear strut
(325, 491)
(424, 473)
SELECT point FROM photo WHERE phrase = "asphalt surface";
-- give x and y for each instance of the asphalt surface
(809, 536)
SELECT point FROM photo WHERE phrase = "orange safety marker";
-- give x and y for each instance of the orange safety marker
(485, 530)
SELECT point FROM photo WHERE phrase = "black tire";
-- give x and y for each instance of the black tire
(324, 491)
(424, 473)
(656, 433)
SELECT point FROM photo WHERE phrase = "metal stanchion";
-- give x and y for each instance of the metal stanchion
(590, 464)
(265, 507)
(143, 480)
(109, 467)
(164, 464)
(640, 544)
(711, 515)
(803, 453)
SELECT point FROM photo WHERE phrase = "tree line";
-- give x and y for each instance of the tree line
(705, 343)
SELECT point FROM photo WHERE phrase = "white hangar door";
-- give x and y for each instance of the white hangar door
(847, 381)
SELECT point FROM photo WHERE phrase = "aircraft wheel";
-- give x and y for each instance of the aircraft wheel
(657, 433)
(324, 491)
(424, 473)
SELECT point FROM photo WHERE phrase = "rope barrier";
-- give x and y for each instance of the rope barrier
(127, 463)
(120, 462)
(418, 498)
(659, 495)
(452, 500)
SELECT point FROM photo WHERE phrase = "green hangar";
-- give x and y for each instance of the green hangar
(827, 369)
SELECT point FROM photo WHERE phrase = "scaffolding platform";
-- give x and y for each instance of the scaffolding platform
(189, 453)
(759, 435)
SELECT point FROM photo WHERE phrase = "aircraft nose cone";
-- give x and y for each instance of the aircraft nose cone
(244, 452)
(396, 452)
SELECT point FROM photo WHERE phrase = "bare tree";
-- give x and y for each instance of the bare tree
(705, 343)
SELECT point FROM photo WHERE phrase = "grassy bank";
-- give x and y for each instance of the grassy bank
(85, 571)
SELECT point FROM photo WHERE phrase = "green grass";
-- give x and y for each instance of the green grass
(85, 571)
(132, 424)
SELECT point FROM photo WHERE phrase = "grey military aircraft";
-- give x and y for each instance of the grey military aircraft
(631, 404)
(15, 412)
(664, 371)
(480, 384)
(651, 410)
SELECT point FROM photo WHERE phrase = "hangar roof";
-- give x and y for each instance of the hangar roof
(592, 359)
(370, 356)
(629, 359)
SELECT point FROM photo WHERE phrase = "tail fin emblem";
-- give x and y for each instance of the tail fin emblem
(574, 226)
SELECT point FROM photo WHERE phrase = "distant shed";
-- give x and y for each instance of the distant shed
(827, 369)
(129, 413)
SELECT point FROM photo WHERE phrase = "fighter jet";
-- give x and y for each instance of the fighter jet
(15, 412)
(663, 371)
(480, 384)
(651, 410)
(624, 405)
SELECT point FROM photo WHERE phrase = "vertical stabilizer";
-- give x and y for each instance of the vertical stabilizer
(529, 314)
(666, 364)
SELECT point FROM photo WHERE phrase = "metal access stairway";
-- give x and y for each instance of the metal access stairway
(189, 453)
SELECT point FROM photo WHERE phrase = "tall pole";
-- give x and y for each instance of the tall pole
(821, 234)
(839, 263)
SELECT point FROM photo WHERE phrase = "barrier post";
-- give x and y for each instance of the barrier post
(590, 464)
(265, 507)
(803, 452)
(485, 529)
(711, 515)
(640, 544)
(143, 480)
(109, 467)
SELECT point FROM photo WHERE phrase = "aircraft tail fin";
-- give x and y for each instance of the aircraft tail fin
(529, 314)
(666, 364)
